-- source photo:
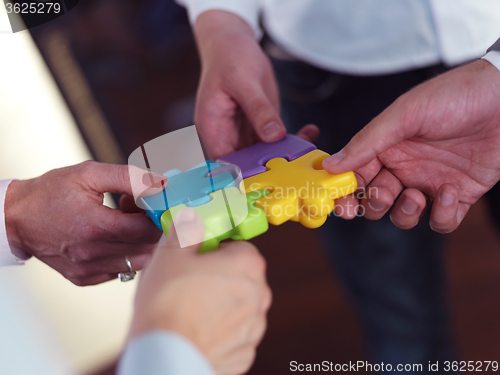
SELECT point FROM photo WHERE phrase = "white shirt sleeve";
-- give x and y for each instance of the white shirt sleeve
(248, 10)
(494, 58)
(163, 352)
(6, 256)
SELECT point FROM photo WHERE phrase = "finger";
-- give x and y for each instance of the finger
(347, 207)
(94, 280)
(187, 233)
(145, 183)
(187, 227)
(108, 224)
(113, 178)
(99, 251)
(444, 213)
(377, 202)
(409, 209)
(128, 206)
(114, 265)
(309, 133)
(382, 192)
(261, 113)
(385, 131)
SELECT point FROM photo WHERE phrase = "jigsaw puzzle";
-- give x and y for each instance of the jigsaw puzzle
(282, 181)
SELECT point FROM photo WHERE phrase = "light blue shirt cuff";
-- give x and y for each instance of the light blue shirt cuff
(165, 353)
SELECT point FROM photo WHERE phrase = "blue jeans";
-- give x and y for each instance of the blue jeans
(394, 278)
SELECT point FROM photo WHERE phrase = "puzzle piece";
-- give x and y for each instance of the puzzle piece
(191, 188)
(300, 189)
(252, 160)
(229, 214)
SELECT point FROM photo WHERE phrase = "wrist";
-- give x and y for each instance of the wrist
(218, 25)
(13, 218)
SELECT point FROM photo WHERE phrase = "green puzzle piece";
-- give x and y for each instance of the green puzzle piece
(226, 216)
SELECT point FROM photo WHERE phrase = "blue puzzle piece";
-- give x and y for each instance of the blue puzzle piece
(191, 188)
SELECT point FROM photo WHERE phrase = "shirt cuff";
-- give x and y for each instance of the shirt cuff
(494, 58)
(248, 10)
(495, 46)
(163, 352)
(6, 256)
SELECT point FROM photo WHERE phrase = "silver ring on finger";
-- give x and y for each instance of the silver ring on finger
(127, 276)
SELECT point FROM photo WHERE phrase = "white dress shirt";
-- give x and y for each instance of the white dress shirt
(6, 256)
(370, 37)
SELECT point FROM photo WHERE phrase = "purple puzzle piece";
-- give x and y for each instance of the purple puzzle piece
(252, 160)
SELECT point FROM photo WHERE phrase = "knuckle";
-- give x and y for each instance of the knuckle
(251, 259)
(76, 279)
(234, 75)
(87, 167)
(123, 174)
(267, 299)
(93, 232)
(79, 256)
(87, 256)
(89, 232)
(77, 282)
(78, 273)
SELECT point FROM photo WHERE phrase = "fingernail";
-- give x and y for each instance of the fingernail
(271, 130)
(446, 197)
(409, 206)
(377, 205)
(154, 180)
(335, 158)
(187, 215)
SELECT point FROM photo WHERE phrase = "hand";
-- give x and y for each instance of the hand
(238, 99)
(60, 218)
(439, 142)
(216, 300)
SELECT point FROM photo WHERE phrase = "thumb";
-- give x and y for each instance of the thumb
(187, 225)
(261, 113)
(186, 232)
(382, 133)
(123, 179)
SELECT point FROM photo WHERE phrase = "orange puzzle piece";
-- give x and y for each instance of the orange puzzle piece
(301, 190)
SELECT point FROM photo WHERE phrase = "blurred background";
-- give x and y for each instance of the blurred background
(114, 74)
